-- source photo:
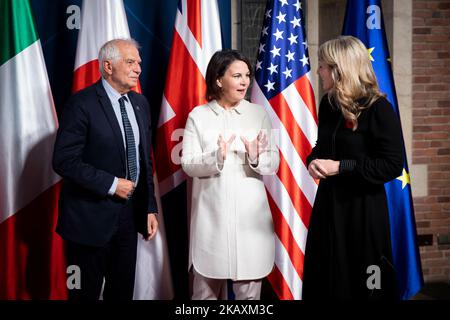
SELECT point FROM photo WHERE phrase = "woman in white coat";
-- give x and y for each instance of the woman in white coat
(227, 148)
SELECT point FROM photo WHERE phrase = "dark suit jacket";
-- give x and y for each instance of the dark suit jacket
(88, 154)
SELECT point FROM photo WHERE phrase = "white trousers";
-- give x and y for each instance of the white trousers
(204, 288)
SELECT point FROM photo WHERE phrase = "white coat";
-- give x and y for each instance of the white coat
(231, 232)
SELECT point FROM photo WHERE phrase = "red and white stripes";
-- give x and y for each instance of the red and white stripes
(291, 191)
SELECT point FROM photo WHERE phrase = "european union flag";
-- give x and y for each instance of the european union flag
(364, 20)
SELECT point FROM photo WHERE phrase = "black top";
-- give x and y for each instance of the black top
(349, 226)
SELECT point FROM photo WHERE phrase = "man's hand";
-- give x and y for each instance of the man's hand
(124, 189)
(152, 226)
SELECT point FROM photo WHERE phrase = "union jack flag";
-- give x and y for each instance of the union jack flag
(196, 37)
(283, 87)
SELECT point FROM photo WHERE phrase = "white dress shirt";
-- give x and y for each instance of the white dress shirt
(114, 97)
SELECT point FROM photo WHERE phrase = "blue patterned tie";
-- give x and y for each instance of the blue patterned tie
(129, 138)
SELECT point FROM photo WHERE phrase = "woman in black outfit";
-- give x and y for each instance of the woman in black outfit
(359, 147)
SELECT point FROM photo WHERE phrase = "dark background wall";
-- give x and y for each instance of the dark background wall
(151, 24)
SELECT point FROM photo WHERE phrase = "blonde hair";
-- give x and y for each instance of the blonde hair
(352, 74)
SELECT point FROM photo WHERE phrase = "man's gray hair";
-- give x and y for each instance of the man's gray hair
(109, 51)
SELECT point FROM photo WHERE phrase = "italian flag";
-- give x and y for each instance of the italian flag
(32, 261)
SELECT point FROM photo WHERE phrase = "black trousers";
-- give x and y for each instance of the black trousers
(115, 263)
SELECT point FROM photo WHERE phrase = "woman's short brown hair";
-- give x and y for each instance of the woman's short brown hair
(217, 66)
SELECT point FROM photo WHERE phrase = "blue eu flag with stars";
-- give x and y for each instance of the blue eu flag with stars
(364, 20)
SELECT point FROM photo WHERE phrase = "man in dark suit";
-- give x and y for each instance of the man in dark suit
(103, 152)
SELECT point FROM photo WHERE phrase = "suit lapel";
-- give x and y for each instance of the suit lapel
(112, 119)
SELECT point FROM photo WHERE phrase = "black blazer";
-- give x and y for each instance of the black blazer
(88, 154)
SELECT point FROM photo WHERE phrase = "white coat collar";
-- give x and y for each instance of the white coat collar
(217, 109)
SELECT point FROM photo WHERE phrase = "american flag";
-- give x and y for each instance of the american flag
(283, 87)
(196, 37)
